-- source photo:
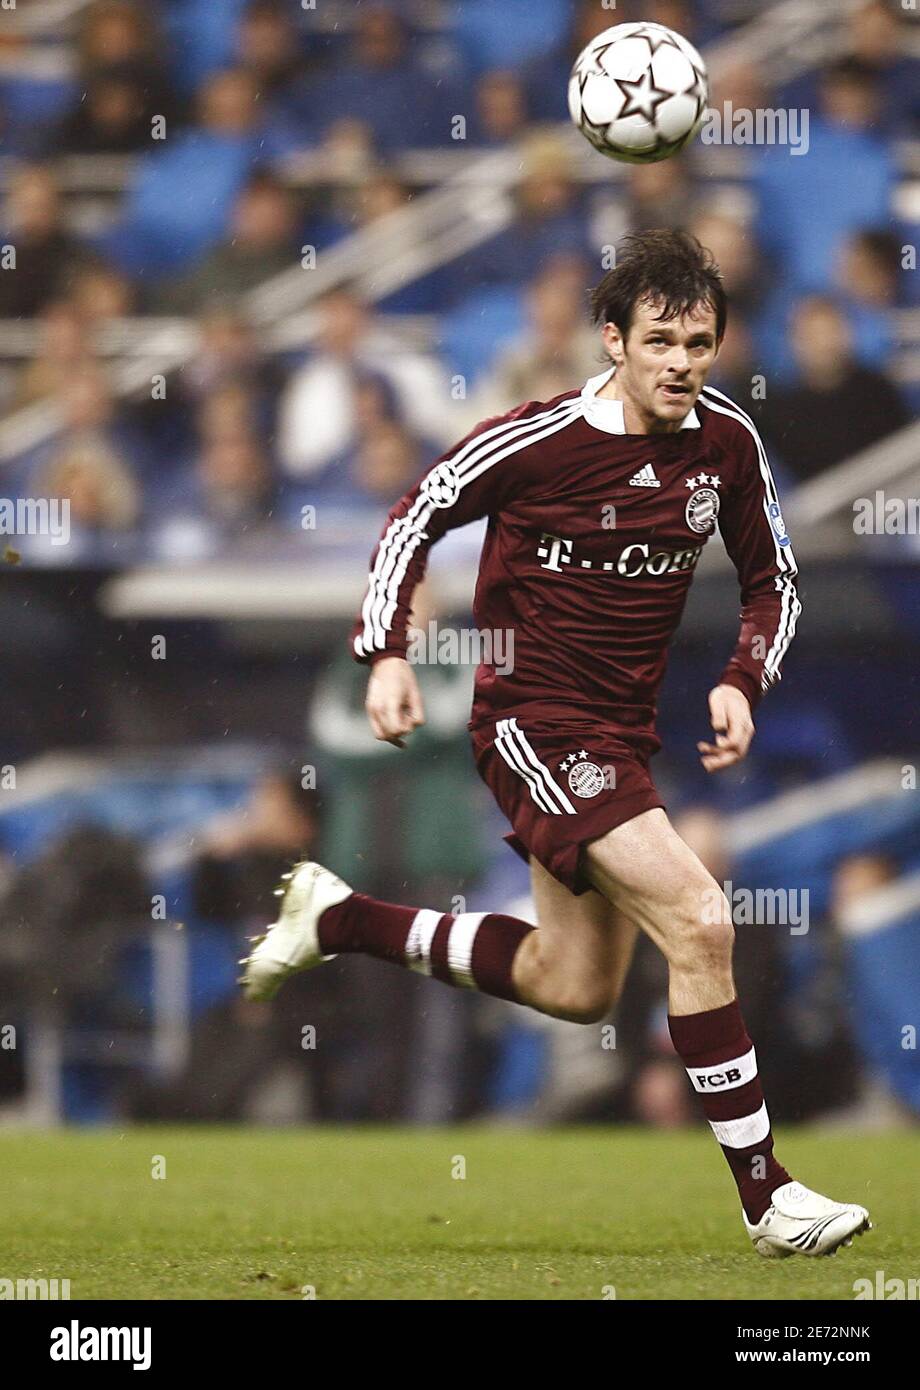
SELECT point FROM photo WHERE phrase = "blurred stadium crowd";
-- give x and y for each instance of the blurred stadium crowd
(228, 307)
(280, 136)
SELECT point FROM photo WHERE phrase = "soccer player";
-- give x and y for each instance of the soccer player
(599, 504)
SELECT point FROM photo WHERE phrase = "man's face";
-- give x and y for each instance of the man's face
(663, 363)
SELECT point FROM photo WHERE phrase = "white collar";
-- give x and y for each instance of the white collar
(609, 415)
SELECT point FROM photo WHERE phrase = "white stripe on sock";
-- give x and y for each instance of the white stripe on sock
(418, 942)
(739, 1134)
(460, 947)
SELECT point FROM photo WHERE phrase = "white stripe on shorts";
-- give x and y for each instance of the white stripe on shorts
(514, 757)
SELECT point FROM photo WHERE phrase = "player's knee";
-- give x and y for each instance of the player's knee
(583, 1002)
(699, 933)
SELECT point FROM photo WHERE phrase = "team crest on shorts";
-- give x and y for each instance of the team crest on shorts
(585, 778)
(702, 509)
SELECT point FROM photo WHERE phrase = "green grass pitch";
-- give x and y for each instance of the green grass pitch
(379, 1214)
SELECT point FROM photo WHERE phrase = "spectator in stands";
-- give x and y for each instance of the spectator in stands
(381, 461)
(317, 411)
(869, 268)
(381, 84)
(121, 71)
(101, 295)
(47, 255)
(104, 503)
(227, 353)
(261, 241)
(878, 36)
(228, 103)
(227, 501)
(228, 411)
(116, 31)
(112, 116)
(835, 407)
(347, 148)
(734, 247)
(269, 48)
(867, 279)
(550, 217)
(500, 113)
(90, 425)
(557, 351)
(227, 498)
(661, 195)
(376, 194)
(63, 349)
(386, 465)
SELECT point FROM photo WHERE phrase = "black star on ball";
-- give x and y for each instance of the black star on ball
(643, 98)
(597, 54)
(656, 38)
(700, 87)
(597, 133)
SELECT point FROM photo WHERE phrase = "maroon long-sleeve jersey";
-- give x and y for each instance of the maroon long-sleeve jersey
(593, 536)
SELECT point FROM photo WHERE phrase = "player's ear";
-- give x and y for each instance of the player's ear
(613, 342)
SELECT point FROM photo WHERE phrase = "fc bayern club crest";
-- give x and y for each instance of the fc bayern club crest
(586, 779)
(702, 510)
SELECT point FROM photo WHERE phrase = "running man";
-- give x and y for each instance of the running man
(599, 503)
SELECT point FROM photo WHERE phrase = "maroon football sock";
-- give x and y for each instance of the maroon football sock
(720, 1061)
(473, 950)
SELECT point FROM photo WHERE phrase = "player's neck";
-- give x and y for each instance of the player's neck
(635, 421)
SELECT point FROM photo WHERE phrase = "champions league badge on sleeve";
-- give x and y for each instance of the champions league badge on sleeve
(441, 487)
(779, 526)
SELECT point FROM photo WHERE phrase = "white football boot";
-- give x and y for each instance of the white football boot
(802, 1222)
(292, 943)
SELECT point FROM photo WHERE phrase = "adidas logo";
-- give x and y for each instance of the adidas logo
(644, 478)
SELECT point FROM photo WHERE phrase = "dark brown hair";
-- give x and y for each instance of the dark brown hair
(659, 267)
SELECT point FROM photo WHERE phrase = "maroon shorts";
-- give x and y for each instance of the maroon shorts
(562, 785)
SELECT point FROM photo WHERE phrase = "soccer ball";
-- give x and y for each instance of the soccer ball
(638, 92)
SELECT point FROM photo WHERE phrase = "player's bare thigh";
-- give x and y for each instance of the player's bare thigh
(587, 932)
(653, 877)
